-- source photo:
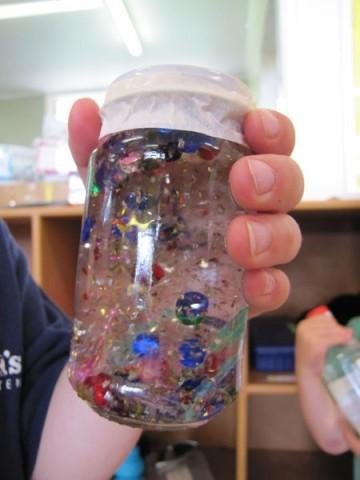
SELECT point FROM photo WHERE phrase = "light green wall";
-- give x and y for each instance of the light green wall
(21, 119)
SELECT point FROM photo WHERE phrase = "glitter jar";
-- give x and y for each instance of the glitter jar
(159, 314)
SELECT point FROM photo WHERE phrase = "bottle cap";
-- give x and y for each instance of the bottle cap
(179, 97)
(321, 309)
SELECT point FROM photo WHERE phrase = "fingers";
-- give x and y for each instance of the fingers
(270, 180)
(266, 183)
(265, 289)
(323, 329)
(84, 128)
(314, 337)
(260, 241)
(267, 131)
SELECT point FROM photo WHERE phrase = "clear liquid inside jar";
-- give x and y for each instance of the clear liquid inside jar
(342, 376)
(160, 316)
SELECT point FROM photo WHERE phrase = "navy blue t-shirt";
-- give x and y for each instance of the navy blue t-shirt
(34, 347)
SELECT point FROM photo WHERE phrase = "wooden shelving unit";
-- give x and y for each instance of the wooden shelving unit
(50, 236)
(317, 219)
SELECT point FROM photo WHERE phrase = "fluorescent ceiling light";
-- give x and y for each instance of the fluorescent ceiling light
(45, 7)
(125, 26)
(116, 8)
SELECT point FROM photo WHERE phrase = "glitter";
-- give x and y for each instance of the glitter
(95, 190)
(145, 345)
(131, 235)
(169, 269)
(142, 226)
(103, 311)
(130, 158)
(168, 232)
(214, 322)
(204, 263)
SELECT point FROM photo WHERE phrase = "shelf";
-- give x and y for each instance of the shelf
(328, 205)
(77, 210)
(42, 211)
(258, 385)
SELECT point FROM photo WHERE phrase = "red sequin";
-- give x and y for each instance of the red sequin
(97, 252)
(207, 153)
(158, 271)
(211, 364)
(99, 395)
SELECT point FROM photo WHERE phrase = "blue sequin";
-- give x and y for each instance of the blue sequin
(164, 130)
(168, 232)
(144, 202)
(145, 345)
(89, 222)
(115, 231)
(131, 201)
(132, 234)
(192, 353)
(191, 144)
(100, 176)
(135, 201)
(191, 307)
(191, 384)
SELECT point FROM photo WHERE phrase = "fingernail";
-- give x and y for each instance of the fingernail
(270, 123)
(319, 310)
(263, 175)
(269, 283)
(259, 236)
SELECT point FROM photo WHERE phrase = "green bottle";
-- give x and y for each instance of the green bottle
(341, 375)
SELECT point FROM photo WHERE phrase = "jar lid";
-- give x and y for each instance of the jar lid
(179, 97)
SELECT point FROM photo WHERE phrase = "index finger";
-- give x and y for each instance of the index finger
(267, 131)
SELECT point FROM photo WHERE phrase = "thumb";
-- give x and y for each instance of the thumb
(84, 128)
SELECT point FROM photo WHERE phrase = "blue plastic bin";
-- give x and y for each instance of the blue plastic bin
(274, 358)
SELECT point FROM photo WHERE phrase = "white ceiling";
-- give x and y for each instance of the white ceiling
(82, 51)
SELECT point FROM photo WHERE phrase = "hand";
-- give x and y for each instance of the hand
(314, 336)
(351, 437)
(268, 181)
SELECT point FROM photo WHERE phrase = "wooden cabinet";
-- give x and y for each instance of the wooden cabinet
(329, 263)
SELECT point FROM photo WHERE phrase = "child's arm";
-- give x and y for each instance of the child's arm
(314, 336)
(85, 443)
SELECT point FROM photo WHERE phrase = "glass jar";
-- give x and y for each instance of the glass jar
(342, 376)
(160, 315)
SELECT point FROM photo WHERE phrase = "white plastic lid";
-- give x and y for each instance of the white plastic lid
(179, 97)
